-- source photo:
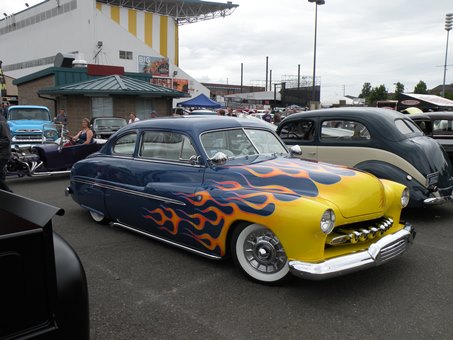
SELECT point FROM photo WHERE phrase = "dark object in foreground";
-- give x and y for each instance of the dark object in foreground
(43, 286)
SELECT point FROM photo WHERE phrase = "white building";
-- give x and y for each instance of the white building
(141, 36)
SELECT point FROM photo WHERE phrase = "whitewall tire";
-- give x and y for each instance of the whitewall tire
(259, 253)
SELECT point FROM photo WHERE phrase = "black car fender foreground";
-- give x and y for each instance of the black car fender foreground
(43, 288)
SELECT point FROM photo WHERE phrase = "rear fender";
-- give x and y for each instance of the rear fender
(388, 171)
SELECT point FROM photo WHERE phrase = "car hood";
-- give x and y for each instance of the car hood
(27, 124)
(352, 192)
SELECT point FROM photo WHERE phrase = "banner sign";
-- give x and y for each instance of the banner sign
(157, 66)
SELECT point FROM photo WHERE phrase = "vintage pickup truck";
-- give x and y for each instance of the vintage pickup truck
(30, 124)
(43, 288)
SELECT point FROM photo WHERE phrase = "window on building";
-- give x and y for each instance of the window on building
(102, 106)
(126, 55)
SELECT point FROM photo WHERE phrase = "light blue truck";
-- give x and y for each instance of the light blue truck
(31, 124)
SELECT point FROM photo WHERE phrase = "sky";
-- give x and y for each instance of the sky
(377, 41)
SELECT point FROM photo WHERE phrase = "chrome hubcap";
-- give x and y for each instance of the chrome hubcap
(264, 252)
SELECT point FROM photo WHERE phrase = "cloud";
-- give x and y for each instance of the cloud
(358, 42)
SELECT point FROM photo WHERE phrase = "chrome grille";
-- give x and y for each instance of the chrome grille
(359, 232)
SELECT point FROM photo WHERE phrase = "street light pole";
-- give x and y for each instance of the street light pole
(317, 2)
(448, 26)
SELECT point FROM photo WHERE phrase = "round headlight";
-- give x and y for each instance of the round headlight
(327, 221)
(405, 198)
(50, 133)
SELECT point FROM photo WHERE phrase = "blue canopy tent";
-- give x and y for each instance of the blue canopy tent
(200, 101)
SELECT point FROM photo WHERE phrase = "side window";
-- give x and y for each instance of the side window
(125, 145)
(166, 146)
(340, 130)
(443, 127)
(298, 130)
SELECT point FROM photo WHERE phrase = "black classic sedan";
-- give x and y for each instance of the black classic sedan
(383, 142)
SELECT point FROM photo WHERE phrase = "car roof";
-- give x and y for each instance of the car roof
(196, 124)
(12, 107)
(436, 115)
(379, 120)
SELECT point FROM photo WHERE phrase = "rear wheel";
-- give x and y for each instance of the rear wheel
(259, 253)
(99, 218)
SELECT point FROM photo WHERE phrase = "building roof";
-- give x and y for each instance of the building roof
(113, 85)
(184, 11)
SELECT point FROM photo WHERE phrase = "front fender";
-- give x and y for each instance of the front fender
(388, 171)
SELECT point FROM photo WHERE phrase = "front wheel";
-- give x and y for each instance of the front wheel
(99, 218)
(259, 254)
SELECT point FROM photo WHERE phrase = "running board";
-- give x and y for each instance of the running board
(175, 244)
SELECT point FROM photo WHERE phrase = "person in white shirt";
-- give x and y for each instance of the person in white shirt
(133, 118)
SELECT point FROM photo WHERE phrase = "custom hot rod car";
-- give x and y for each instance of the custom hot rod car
(48, 159)
(383, 142)
(220, 186)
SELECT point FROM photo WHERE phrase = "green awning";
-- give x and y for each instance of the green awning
(113, 85)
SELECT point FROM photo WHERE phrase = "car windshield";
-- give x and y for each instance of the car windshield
(106, 123)
(28, 114)
(241, 142)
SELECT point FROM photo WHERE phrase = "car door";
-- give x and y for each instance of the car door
(166, 174)
(301, 132)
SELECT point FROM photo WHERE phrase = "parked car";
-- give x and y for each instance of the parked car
(222, 186)
(104, 127)
(202, 112)
(383, 142)
(43, 286)
(438, 125)
(49, 159)
(30, 124)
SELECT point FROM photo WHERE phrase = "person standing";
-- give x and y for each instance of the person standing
(61, 118)
(5, 152)
(133, 118)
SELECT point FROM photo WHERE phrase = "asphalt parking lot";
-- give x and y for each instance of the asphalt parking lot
(143, 289)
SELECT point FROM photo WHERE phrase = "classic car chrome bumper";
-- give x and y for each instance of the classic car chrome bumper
(379, 252)
(438, 200)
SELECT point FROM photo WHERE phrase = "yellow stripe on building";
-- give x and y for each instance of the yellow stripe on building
(149, 29)
(115, 14)
(132, 21)
(176, 40)
(164, 36)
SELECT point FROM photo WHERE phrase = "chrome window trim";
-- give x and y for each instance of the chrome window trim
(128, 191)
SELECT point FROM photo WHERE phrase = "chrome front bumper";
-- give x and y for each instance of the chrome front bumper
(385, 249)
(438, 200)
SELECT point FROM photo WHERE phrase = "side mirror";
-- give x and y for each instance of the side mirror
(219, 158)
(295, 150)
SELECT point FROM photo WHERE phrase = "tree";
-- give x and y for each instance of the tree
(377, 93)
(399, 88)
(421, 88)
(366, 90)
